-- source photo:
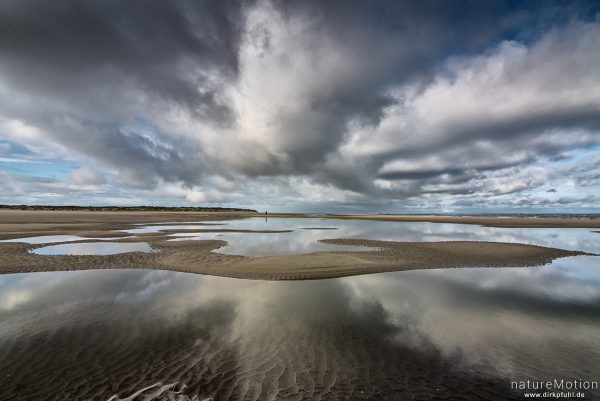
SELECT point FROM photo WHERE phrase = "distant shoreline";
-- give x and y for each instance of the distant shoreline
(146, 214)
(378, 216)
(124, 208)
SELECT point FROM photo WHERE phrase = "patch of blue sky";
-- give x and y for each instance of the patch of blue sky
(52, 168)
(19, 160)
(143, 127)
(576, 155)
(590, 151)
(13, 150)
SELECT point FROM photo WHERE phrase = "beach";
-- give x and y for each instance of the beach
(200, 256)
(239, 305)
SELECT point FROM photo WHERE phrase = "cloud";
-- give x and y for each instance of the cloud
(306, 77)
(87, 176)
(82, 77)
(356, 103)
(171, 50)
(506, 109)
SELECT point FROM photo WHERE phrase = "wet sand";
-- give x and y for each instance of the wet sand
(198, 256)
(112, 337)
(293, 349)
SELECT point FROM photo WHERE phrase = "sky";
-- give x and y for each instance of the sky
(303, 106)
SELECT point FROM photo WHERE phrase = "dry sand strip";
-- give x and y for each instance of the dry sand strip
(124, 217)
(29, 223)
(198, 257)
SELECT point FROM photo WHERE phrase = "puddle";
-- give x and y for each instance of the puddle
(150, 229)
(164, 223)
(269, 244)
(304, 234)
(49, 239)
(93, 248)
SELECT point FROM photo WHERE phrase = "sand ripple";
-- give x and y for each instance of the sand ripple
(316, 356)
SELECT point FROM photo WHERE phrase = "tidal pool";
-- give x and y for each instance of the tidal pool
(49, 239)
(154, 228)
(157, 335)
(306, 232)
(266, 244)
(93, 248)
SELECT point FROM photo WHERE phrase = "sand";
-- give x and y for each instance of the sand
(198, 256)
(296, 350)
(46, 219)
(117, 349)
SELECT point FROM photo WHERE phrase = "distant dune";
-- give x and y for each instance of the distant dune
(125, 208)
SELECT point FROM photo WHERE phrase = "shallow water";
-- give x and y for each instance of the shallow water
(464, 333)
(266, 244)
(154, 228)
(93, 248)
(306, 233)
(49, 239)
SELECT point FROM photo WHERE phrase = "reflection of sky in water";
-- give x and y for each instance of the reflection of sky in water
(520, 323)
(506, 319)
(149, 229)
(508, 324)
(49, 239)
(93, 248)
(539, 321)
(265, 244)
(306, 241)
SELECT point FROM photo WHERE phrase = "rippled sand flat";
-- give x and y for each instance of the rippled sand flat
(144, 336)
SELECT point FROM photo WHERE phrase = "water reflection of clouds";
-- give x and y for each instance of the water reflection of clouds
(154, 228)
(301, 240)
(306, 233)
(570, 279)
(49, 239)
(502, 323)
(93, 248)
(266, 244)
(508, 321)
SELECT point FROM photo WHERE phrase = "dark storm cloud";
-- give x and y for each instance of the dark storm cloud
(140, 160)
(61, 46)
(421, 174)
(83, 60)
